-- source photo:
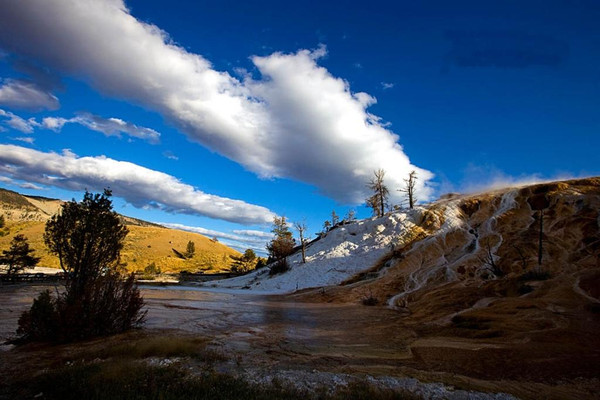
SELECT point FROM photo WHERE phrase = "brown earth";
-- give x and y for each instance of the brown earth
(442, 314)
(531, 323)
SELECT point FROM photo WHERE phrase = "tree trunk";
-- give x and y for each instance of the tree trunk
(541, 237)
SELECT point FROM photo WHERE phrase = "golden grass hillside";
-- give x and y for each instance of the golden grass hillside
(146, 243)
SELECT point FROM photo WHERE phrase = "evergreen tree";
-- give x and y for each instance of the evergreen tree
(87, 237)
(18, 256)
(244, 263)
(190, 249)
(282, 243)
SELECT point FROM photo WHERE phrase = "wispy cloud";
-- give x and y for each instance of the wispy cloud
(26, 95)
(26, 139)
(298, 121)
(140, 186)
(387, 85)
(24, 185)
(239, 240)
(18, 123)
(106, 126)
(169, 154)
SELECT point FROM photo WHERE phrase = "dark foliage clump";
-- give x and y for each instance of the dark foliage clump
(109, 305)
(535, 274)
(279, 267)
(470, 322)
(369, 300)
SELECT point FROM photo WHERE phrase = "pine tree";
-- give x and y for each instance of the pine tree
(282, 243)
(18, 256)
(87, 237)
(326, 226)
(190, 249)
(244, 263)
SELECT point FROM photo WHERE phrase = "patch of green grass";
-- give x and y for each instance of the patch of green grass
(130, 379)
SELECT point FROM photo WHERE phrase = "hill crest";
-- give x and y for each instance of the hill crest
(147, 243)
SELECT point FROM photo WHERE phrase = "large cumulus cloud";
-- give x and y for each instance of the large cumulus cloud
(298, 121)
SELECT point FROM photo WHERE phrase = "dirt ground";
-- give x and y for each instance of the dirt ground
(279, 333)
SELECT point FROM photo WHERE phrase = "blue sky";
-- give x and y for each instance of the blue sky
(219, 116)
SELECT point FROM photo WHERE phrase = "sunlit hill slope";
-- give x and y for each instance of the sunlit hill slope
(146, 243)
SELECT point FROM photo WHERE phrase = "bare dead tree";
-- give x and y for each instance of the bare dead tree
(539, 202)
(335, 219)
(378, 201)
(301, 228)
(541, 240)
(489, 261)
(409, 188)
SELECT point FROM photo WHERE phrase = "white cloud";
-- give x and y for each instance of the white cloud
(26, 95)
(297, 122)
(28, 185)
(26, 139)
(387, 85)
(138, 185)
(54, 123)
(106, 126)
(254, 233)
(18, 123)
(170, 155)
(239, 240)
(24, 185)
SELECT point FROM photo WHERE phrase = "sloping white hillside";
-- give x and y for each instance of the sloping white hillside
(340, 254)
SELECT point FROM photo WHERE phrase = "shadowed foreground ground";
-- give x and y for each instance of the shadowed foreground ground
(259, 338)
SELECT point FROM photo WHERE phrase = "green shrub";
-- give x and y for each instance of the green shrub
(152, 269)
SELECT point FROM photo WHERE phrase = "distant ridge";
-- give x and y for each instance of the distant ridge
(146, 243)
